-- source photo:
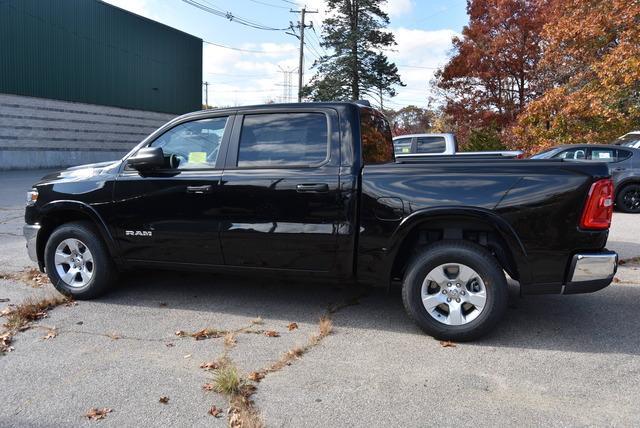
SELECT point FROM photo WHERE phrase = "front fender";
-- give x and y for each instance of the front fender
(85, 210)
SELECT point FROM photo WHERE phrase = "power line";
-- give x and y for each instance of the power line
(269, 4)
(240, 49)
(231, 17)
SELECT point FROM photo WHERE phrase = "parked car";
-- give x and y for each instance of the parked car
(631, 139)
(418, 145)
(313, 190)
(623, 162)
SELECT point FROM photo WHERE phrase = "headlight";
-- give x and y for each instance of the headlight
(32, 197)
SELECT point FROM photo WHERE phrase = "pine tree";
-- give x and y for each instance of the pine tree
(354, 34)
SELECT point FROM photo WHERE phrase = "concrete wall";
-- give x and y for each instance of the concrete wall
(44, 133)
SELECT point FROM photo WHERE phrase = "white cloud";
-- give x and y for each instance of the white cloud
(419, 54)
(398, 7)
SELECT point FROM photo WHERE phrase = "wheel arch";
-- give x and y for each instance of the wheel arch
(57, 213)
(459, 223)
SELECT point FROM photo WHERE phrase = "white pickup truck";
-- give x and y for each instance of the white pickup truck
(417, 145)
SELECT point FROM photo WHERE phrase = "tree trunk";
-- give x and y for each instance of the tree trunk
(355, 75)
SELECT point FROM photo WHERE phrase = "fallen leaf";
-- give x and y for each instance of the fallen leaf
(169, 345)
(616, 279)
(50, 334)
(257, 321)
(207, 333)
(271, 333)
(210, 365)
(208, 386)
(292, 326)
(79, 323)
(256, 376)
(622, 262)
(114, 336)
(164, 399)
(214, 411)
(187, 356)
(180, 333)
(97, 414)
(71, 303)
(163, 305)
(447, 344)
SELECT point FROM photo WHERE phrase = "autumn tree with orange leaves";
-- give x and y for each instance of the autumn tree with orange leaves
(591, 70)
(493, 72)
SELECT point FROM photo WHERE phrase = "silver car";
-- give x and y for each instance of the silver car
(624, 165)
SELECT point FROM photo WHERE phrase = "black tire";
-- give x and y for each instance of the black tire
(103, 269)
(628, 199)
(477, 258)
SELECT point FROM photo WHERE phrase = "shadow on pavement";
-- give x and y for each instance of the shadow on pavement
(603, 322)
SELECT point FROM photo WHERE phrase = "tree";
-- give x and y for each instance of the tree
(493, 72)
(592, 67)
(354, 34)
(411, 120)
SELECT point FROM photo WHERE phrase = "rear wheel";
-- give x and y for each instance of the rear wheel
(628, 199)
(455, 290)
(77, 261)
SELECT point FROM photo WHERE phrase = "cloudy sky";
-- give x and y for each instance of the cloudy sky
(252, 71)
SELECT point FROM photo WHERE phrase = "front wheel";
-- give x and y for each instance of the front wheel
(628, 199)
(77, 261)
(455, 290)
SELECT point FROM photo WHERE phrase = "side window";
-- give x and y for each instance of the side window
(623, 154)
(603, 155)
(402, 146)
(194, 144)
(376, 138)
(283, 139)
(431, 145)
(577, 153)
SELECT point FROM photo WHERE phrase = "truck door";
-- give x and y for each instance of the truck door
(280, 193)
(172, 214)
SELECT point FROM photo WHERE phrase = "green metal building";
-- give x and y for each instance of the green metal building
(92, 52)
(84, 81)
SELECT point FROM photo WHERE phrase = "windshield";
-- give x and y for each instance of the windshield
(546, 154)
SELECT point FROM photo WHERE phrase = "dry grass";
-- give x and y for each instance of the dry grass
(32, 277)
(230, 340)
(227, 380)
(20, 317)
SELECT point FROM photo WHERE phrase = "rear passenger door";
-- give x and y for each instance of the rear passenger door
(435, 145)
(280, 192)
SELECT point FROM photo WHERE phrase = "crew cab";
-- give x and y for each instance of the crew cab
(314, 190)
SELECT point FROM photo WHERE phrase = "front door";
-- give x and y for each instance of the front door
(171, 215)
(282, 206)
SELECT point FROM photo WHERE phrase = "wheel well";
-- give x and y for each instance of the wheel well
(51, 222)
(461, 228)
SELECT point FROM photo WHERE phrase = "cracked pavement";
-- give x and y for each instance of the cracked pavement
(554, 360)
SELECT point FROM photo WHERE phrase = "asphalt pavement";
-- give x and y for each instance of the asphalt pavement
(554, 360)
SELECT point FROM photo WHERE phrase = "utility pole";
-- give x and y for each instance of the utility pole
(301, 26)
(206, 94)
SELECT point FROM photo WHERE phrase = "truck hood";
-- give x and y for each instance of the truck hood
(81, 172)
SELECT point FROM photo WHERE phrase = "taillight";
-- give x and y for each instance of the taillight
(599, 207)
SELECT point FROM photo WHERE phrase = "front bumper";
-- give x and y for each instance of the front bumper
(591, 272)
(30, 232)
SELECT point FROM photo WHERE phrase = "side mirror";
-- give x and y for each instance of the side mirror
(147, 158)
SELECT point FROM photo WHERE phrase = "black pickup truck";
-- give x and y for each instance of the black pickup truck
(314, 190)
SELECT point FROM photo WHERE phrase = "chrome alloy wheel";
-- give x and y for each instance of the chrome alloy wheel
(453, 294)
(74, 263)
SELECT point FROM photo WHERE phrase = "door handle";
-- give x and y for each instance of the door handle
(312, 188)
(200, 189)
(619, 169)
